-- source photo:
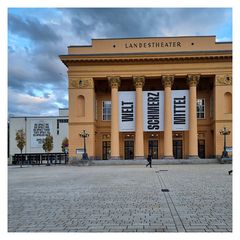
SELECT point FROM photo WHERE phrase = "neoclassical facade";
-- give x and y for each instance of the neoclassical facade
(168, 97)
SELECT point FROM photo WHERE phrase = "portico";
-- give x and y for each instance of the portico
(174, 90)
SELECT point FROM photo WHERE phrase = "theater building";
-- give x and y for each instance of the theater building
(168, 97)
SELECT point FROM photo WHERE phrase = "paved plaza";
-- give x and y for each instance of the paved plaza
(129, 198)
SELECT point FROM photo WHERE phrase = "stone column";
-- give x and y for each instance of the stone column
(193, 137)
(114, 83)
(167, 82)
(139, 146)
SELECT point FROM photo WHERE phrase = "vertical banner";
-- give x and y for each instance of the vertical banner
(126, 111)
(153, 111)
(40, 128)
(180, 110)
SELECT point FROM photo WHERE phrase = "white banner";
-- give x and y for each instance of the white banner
(153, 111)
(39, 130)
(180, 110)
(126, 111)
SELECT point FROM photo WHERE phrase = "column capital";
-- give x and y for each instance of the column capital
(138, 81)
(167, 80)
(193, 79)
(114, 81)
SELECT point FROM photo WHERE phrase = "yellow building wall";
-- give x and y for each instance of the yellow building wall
(222, 118)
(208, 128)
(79, 123)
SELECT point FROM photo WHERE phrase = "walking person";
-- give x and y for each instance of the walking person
(149, 159)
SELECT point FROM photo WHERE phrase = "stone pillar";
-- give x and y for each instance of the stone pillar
(139, 146)
(193, 134)
(167, 82)
(114, 83)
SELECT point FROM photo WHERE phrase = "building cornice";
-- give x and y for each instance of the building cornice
(69, 60)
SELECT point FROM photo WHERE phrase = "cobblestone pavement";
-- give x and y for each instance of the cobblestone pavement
(120, 198)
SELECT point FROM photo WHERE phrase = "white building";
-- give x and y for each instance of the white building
(36, 129)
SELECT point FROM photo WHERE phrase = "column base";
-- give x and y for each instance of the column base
(168, 157)
(139, 158)
(193, 157)
(114, 158)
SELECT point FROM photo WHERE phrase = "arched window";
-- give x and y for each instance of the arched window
(228, 102)
(80, 106)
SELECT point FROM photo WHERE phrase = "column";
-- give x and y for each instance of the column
(193, 137)
(167, 82)
(139, 146)
(114, 83)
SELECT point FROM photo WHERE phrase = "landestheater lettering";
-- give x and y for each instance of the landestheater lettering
(153, 45)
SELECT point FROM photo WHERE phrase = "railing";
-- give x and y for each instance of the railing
(39, 158)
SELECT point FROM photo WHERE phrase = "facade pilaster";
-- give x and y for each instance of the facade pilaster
(222, 116)
(114, 83)
(193, 80)
(81, 117)
(167, 82)
(139, 142)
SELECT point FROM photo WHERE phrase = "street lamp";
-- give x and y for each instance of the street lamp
(224, 132)
(84, 135)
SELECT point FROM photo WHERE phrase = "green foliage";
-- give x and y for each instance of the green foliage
(48, 143)
(64, 144)
(21, 139)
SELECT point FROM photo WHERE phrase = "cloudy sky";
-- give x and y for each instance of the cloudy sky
(37, 80)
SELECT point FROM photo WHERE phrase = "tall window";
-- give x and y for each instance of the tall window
(228, 102)
(106, 113)
(201, 108)
(211, 107)
(80, 111)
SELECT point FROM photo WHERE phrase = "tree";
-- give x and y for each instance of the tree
(65, 144)
(65, 148)
(48, 146)
(21, 141)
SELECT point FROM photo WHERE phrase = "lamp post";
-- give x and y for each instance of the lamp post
(225, 132)
(84, 135)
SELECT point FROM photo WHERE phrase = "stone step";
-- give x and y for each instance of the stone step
(154, 162)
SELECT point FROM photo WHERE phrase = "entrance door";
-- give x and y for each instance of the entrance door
(129, 149)
(153, 148)
(201, 148)
(106, 147)
(177, 149)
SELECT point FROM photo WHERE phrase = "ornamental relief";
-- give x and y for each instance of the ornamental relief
(82, 83)
(224, 79)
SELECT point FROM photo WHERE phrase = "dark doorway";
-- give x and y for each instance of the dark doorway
(106, 147)
(129, 149)
(201, 148)
(177, 149)
(153, 148)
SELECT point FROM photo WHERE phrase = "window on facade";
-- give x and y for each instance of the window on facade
(228, 102)
(201, 108)
(211, 107)
(106, 110)
(80, 111)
